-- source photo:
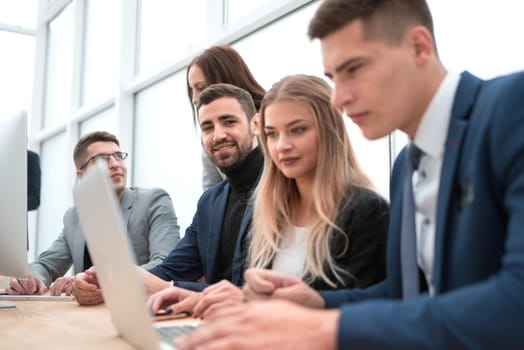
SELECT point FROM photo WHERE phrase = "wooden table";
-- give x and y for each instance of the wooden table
(57, 325)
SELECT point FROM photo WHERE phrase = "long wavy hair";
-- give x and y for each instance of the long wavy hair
(337, 176)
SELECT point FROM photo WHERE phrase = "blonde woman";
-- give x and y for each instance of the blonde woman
(315, 213)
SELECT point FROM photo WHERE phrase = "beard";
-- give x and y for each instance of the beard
(230, 160)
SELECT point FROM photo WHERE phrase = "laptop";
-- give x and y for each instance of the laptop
(122, 288)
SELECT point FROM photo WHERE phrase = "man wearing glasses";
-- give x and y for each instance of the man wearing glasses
(149, 214)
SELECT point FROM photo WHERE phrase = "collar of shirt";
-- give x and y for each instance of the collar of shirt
(433, 129)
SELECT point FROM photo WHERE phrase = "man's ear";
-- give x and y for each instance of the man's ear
(79, 173)
(422, 43)
(255, 124)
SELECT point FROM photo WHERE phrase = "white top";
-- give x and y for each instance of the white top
(291, 256)
(431, 138)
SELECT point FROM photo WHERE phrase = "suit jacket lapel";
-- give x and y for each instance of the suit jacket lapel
(126, 203)
(464, 99)
(215, 222)
(78, 247)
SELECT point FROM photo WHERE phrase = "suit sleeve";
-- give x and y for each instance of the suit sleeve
(163, 228)
(183, 263)
(57, 259)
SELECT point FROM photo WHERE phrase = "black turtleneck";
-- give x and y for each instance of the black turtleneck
(242, 181)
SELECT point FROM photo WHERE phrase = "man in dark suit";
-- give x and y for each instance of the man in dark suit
(213, 246)
(468, 191)
(34, 179)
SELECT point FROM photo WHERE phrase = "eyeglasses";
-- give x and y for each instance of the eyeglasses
(118, 156)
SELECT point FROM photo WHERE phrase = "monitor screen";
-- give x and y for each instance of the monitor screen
(13, 201)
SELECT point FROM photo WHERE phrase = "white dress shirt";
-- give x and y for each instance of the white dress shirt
(430, 137)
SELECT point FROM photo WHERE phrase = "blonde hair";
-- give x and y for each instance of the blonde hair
(337, 176)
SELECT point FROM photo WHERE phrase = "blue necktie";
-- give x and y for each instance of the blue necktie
(408, 238)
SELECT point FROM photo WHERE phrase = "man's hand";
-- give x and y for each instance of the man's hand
(216, 296)
(152, 283)
(62, 285)
(275, 324)
(26, 286)
(265, 284)
(86, 288)
(174, 298)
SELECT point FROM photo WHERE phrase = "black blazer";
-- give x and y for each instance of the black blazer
(364, 218)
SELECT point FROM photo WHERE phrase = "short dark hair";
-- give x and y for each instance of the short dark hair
(79, 154)
(216, 91)
(387, 20)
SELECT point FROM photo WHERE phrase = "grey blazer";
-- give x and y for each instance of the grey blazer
(151, 226)
(210, 173)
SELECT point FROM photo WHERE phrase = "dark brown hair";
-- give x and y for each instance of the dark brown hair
(223, 64)
(216, 91)
(386, 20)
(79, 154)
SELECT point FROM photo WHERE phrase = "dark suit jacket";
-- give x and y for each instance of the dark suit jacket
(364, 220)
(195, 256)
(34, 178)
(479, 243)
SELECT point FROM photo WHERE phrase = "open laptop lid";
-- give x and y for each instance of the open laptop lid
(13, 200)
(104, 229)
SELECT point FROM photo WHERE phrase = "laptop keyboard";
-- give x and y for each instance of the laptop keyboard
(167, 334)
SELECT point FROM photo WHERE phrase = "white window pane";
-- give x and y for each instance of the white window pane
(59, 68)
(103, 121)
(20, 13)
(16, 72)
(373, 156)
(55, 198)
(167, 149)
(263, 50)
(238, 9)
(486, 44)
(101, 50)
(168, 28)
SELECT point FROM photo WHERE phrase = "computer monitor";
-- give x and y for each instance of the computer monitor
(13, 201)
